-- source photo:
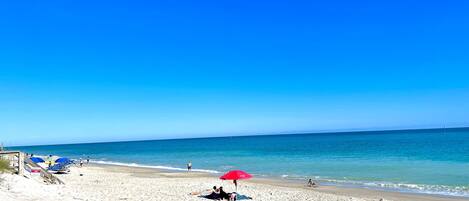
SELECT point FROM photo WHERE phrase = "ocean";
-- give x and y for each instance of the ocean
(433, 161)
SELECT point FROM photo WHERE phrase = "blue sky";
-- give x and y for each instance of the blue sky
(85, 71)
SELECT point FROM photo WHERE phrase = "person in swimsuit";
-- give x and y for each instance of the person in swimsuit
(215, 195)
(189, 166)
(223, 194)
(311, 183)
(232, 196)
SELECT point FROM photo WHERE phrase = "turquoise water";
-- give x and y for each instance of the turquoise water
(422, 161)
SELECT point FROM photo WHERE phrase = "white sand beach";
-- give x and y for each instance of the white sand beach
(106, 183)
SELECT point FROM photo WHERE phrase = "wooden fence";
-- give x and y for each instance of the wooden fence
(19, 162)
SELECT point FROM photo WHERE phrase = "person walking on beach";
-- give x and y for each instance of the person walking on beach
(189, 166)
(81, 162)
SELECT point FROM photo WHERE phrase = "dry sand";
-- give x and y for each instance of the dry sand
(103, 183)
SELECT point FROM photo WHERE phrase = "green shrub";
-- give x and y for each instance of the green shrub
(4, 165)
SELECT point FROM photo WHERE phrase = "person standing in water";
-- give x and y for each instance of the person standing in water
(87, 159)
(189, 166)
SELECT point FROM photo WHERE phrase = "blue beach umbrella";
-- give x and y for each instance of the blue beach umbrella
(63, 160)
(37, 160)
(58, 167)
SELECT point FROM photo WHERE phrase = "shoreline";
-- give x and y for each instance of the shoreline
(286, 183)
(105, 182)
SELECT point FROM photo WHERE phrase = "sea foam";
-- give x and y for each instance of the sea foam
(152, 166)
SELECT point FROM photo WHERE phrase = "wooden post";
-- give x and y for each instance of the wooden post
(20, 163)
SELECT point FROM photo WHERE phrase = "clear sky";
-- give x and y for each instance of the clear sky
(85, 71)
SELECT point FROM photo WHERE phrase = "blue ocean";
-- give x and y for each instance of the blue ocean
(434, 161)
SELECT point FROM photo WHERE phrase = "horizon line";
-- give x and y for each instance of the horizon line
(267, 134)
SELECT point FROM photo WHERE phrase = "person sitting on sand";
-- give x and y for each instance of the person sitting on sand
(223, 194)
(232, 196)
(311, 183)
(215, 190)
(215, 195)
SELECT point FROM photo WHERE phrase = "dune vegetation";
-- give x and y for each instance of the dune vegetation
(4, 165)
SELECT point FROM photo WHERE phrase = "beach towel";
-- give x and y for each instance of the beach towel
(243, 197)
(212, 196)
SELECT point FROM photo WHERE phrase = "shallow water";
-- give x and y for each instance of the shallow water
(424, 161)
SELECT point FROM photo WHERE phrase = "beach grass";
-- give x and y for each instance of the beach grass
(4, 165)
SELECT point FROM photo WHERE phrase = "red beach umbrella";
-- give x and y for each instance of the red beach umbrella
(236, 175)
